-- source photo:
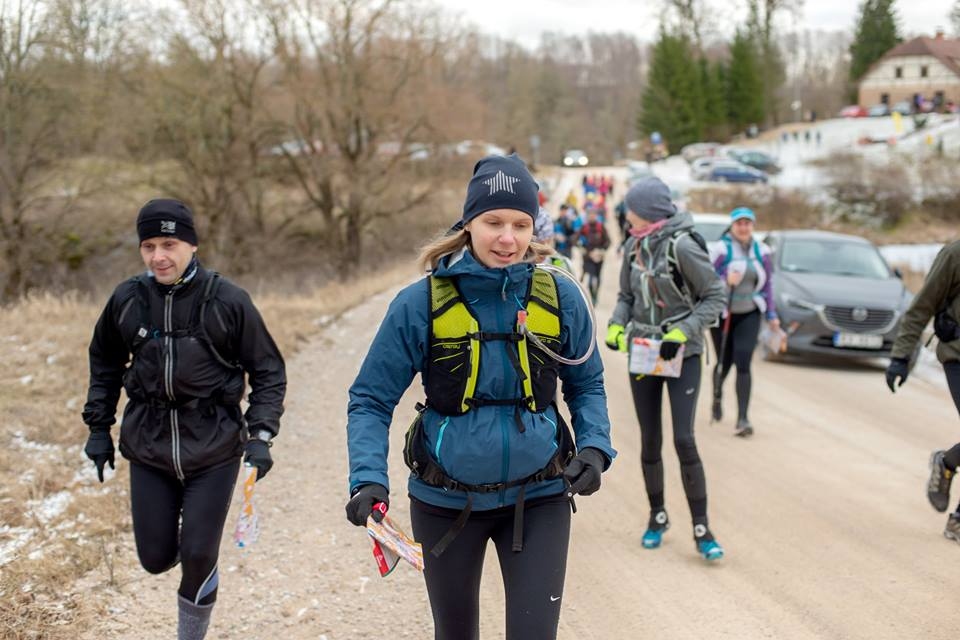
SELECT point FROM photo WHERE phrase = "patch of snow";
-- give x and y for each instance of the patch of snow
(51, 506)
(916, 257)
(21, 442)
(19, 536)
(27, 379)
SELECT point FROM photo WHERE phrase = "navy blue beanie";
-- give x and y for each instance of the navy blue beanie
(166, 217)
(500, 182)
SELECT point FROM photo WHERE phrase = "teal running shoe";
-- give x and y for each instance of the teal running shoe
(707, 546)
(656, 527)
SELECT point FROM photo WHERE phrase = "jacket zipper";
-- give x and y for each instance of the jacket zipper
(503, 426)
(436, 449)
(168, 383)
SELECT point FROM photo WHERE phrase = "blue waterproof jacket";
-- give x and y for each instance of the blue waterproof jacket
(484, 445)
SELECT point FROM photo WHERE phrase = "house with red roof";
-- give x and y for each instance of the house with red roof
(928, 68)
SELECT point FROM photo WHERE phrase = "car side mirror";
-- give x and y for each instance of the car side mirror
(898, 273)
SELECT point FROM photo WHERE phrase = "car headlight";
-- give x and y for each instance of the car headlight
(799, 303)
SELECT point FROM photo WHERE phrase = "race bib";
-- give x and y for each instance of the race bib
(645, 359)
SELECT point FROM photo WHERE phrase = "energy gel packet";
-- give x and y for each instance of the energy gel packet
(390, 544)
(248, 523)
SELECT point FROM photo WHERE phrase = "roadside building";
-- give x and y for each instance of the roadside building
(922, 68)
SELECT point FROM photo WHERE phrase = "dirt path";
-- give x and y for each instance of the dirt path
(822, 514)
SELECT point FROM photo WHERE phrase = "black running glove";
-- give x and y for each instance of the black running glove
(898, 368)
(361, 503)
(99, 448)
(257, 453)
(583, 472)
(672, 340)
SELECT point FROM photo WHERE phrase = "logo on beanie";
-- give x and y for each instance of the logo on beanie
(501, 182)
(168, 226)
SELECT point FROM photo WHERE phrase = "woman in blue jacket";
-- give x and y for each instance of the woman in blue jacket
(490, 455)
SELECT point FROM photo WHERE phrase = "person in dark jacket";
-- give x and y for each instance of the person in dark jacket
(595, 241)
(181, 341)
(490, 455)
(939, 298)
(661, 253)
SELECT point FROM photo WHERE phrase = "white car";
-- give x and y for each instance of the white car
(711, 225)
(575, 158)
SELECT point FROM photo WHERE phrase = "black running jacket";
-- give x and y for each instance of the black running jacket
(183, 401)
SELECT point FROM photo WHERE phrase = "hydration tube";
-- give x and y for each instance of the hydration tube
(522, 321)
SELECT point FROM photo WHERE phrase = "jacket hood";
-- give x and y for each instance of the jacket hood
(681, 221)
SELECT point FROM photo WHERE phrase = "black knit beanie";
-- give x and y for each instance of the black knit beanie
(166, 217)
(500, 182)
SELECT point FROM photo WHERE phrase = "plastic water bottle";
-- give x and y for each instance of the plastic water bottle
(248, 523)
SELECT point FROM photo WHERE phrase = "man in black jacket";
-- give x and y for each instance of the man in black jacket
(181, 341)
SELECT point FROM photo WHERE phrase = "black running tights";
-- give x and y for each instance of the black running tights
(952, 458)
(741, 343)
(158, 500)
(648, 402)
(532, 578)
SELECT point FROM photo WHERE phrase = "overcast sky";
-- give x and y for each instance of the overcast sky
(524, 20)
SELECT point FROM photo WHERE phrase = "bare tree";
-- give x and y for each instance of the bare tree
(205, 110)
(358, 72)
(762, 15)
(30, 114)
(691, 17)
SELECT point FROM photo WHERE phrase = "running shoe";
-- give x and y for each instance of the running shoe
(952, 530)
(707, 546)
(938, 486)
(744, 428)
(658, 525)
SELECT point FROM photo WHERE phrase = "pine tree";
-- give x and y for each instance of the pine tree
(715, 108)
(876, 34)
(745, 97)
(673, 100)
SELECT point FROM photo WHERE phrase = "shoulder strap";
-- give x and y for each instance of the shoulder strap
(756, 252)
(210, 288)
(729, 253)
(673, 262)
(543, 291)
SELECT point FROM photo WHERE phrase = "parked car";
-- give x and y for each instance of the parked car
(878, 111)
(701, 167)
(853, 111)
(697, 150)
(756, 159)
(575, 158)
(903, 108)
(835, 294)
(727, 172)
(711, 225)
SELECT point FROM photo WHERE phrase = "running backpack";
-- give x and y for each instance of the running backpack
(674, 263)
(197, 327)
(729, 243)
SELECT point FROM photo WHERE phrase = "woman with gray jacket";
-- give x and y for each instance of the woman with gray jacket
(669, 292)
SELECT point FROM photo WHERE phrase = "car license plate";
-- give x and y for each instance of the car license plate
(857, 340)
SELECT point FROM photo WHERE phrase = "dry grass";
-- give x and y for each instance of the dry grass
(42, 392)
